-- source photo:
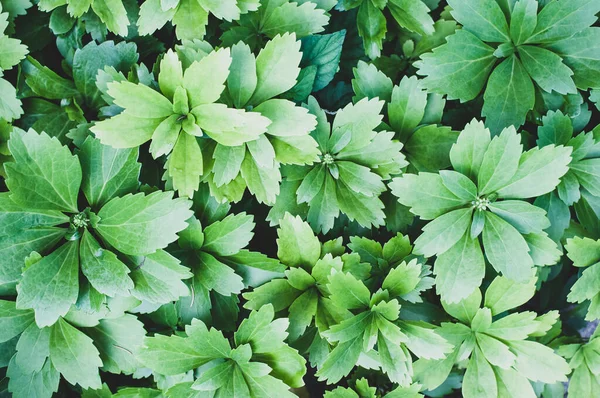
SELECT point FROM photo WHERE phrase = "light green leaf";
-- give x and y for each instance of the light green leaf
(504, 294)
(174, 354)
(50, 286)
(444, 232)
(523, 20)
(468, 153)
(526, 218)
(142, 224)
(44, 174)
(460, 270)
(407, 107)
(304, 19)
(108, 172)
(139, 100)
(277, 67)
(484, 18)
(125, 131)
(113, 14)
(230, 235)
(372, 28)
(242, 79)
(559, 20)
(262, 182)
(509, 95)
(506, 249)
(13, 320)
(286, 118)
(547, 70)
(538, 362)
(425, 194)
(479, 380)
(105, 272)
(185, 165)
(369, 82)
(459, 68)
(347, 291)
(73, 354)
(500, 161)
(412, 15)
(205, 80)
(539, 172)
(297, 244)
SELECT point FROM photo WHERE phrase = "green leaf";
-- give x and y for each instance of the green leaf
(297, 244)
(468, 153)
(174, 354)
(105, 272)
(73, 354)
(140, 101)
(108, 172)
(580, 53)
(369, 82)
(119, 341)
(142, 224)
(372, 28)
(442, 233)
(403, 279)
(304, 20)
(539, 172)
(459, 68)
(459, 184)
(171, 73)
(509, 95)
(459, 270)
(242, 79)
(500, 161)
(92, 57)
(45, 83)
(479, 380)
(42, 162)
(407, 107)
(412, 15)
(484, 18)
(24, 384)
(33, 348)
(277, 67)
(50, 286)
(538, 362)
(425, 194)
(463, 310)
(525, 217)
(213, 68)
(215, 275)
(13, 320)
(230, 235)
(348, 292)
(504, 294)
(286, 118)
(547, 70)
(11, 52)
(185, 165)
(113, 14)
(340, 361)
(583, 251)
(324, 52)
(125, 131)
(506, 249)
(523, 20)
(559, 20)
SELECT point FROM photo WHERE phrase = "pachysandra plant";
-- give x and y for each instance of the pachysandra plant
(583, 358)
(372, 333)
(354, 161)
(585, 253)
(11, 53)
(112, 13)
(190, 17)
(372, 25)
(260, 361)
(287, 140)
(580, 185)
(506, 46)
(91, 337)
(500, 358)
(411, 113)
(485, 196)
(277, 17)
(362, 389)
(213, 247)
(108, 236)
(184, 111)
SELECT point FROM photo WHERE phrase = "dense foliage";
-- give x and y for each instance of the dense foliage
(314, 198)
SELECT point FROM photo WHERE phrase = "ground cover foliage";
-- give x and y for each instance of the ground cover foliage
(314, 198)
